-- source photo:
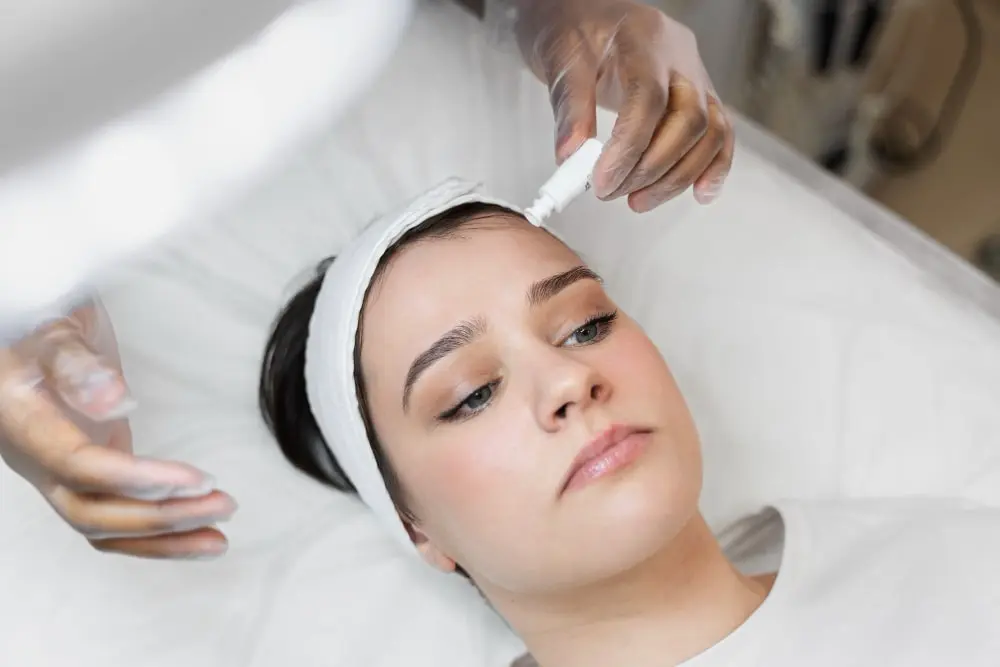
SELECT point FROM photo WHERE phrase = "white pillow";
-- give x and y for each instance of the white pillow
(816, 360)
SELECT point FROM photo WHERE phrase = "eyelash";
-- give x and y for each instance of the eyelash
(604, 322)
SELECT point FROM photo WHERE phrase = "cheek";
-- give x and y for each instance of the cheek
(637, 369)
(471, 478)
(645, 388)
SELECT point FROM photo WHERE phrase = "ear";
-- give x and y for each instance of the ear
(428, 551)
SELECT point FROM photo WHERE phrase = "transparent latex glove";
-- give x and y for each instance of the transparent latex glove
(672, 131)
(64, 428)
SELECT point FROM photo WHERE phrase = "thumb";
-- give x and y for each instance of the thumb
(83, 379)
(573, 94)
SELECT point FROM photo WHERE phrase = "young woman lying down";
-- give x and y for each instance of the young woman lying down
(467, 375)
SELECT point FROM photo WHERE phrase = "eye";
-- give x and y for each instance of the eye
(586, 333)
(597, 328)
(471, 404)
(479, 397)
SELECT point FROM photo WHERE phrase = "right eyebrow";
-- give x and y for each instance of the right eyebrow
(457, 337)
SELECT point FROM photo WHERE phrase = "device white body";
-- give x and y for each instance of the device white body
(570, 180)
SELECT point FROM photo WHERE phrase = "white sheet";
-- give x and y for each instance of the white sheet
(817, 359)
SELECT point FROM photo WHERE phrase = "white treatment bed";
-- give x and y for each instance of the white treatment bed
(824, 346)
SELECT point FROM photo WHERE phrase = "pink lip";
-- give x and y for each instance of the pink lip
(612, 450)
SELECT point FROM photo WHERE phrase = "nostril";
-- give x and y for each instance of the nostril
(595, 392)
(561, 412)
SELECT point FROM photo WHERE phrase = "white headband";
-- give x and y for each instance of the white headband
(329, 370)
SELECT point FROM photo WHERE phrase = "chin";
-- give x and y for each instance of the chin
(629, 520)
(664, 483)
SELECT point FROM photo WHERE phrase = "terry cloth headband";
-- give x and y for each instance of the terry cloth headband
(329, 368)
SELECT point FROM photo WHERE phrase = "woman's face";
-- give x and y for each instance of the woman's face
(494, 362)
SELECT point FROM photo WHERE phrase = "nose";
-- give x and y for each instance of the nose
(569, 386)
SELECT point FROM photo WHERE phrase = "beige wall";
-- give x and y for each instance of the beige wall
(957, 198)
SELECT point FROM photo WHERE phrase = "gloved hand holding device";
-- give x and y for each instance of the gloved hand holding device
(672, 131)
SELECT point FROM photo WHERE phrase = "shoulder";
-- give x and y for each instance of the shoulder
(815, 533)
(954, 543)
(857, 572)
(896, 518)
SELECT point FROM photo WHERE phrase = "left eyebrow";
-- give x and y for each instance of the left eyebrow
(546, 289)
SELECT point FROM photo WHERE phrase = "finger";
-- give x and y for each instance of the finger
(573, 96)
(682, 127)
(87, 383)
(644, 103)
(120, 436)
(206, 543)
(709, 184)
(36, 427)
(574, 104)
(688, 169)
(105, 517)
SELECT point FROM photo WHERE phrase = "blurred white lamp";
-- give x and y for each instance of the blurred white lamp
(66, 216)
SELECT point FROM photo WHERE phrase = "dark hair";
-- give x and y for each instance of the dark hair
(283, 401)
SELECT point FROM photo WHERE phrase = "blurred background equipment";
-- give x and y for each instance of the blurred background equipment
(900, 98)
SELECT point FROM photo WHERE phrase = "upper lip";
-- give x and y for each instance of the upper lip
(601, 443)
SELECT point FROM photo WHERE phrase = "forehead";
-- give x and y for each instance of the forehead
(489, 257)
(435, 283)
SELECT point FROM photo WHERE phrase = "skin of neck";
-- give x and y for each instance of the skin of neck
(679, 603)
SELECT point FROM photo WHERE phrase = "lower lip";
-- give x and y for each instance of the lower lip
(611, 461)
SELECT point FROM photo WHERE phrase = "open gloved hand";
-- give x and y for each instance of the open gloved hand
(672, 131)
(64, 428)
